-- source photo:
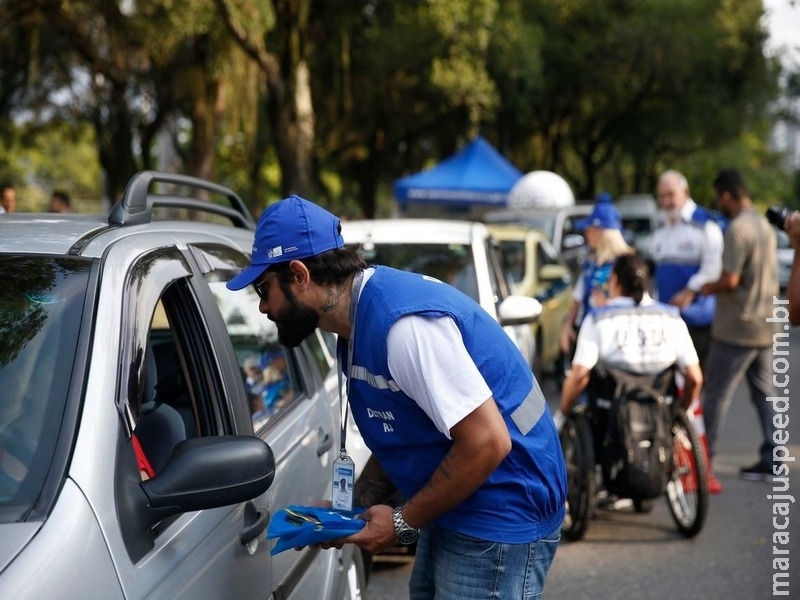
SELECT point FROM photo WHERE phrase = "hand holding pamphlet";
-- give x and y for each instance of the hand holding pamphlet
(297, 526)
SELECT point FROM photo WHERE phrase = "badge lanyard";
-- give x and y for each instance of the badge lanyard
(343, 466)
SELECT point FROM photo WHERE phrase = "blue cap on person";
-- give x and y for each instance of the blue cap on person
(289, 229)
(604, 215)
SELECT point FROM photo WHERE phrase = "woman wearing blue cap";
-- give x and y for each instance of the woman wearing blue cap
(602, 229)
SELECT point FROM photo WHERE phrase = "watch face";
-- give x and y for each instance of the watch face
(407, 536)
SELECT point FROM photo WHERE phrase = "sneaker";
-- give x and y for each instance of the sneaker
(757, 472)
(714, 484)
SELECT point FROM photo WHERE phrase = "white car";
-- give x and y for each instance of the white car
(461, 253)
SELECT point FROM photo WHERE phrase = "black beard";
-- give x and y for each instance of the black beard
(295, 323)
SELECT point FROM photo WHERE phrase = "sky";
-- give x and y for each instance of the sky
(783, 24)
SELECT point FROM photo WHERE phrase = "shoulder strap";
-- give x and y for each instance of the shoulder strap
(653, 386)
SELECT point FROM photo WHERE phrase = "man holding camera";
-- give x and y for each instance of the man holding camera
(741, 334)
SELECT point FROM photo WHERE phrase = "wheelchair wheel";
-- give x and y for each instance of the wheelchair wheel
(577, 445)
(687, 481)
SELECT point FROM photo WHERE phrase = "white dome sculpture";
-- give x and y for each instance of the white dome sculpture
(541, 189)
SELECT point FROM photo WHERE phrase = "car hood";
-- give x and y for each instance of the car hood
(13, 538)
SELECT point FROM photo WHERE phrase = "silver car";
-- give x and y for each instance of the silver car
(139, 458)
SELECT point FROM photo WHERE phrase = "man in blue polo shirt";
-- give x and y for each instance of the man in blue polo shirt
(441, 396)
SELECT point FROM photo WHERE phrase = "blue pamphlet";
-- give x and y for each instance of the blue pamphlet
(297, 526)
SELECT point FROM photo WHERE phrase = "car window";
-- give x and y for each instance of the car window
(450, 263)
(323, 348)
(638, 226)
(571, 224)
(41, 308)
(513, 255)
(270, 373)
(545, 255)
(175, 389)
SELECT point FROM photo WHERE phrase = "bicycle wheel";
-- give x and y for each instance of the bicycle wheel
(576, 443)
(687, 479)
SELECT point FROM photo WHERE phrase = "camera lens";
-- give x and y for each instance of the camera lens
(777, 215)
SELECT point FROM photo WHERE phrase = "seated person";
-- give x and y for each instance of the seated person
(632, 333)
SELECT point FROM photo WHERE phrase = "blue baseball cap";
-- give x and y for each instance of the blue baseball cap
(604, 215)
(291, 228)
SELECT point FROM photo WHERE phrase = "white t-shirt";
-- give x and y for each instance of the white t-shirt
(430, 364)
(634, 340)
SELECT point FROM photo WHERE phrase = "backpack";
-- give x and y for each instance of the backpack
(636, 445)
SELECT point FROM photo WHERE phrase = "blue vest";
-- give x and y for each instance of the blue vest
(673, 277)
(524, 498)
(594, 277)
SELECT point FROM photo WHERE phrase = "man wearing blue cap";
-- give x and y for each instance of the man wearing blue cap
(464, 434)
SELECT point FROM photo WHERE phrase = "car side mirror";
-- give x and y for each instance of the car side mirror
(210, 472)
(572, 241)
(518, 310)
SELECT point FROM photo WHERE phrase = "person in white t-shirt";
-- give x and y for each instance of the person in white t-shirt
(633, 333)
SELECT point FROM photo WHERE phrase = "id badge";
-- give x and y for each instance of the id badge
(344, 471)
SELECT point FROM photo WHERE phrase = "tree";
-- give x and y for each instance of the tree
(278, 42)
(644, 82)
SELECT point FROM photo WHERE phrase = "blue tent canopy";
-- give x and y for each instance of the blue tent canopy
(478, 174)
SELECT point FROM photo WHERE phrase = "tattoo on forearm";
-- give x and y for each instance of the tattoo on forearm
(444, 468)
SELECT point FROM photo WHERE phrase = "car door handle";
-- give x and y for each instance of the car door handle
(325, 442)
(255, 521)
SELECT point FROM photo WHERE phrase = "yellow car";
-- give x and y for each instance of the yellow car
(536, 270)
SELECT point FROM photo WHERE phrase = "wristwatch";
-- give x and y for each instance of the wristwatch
(404, 532)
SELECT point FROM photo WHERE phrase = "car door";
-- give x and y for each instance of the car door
(197, 554)
(298, 424)
(522, 335)
(553, 290)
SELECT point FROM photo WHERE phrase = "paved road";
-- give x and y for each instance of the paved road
(627, 555)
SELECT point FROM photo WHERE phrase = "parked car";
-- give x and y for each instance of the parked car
(537, 271)
(461, 253)
(785, 254)
(559, 225)
(118, 333)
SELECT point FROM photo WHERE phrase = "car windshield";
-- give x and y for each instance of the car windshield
(544, 222)
(451, 263)
(513, 259)
(40, 320)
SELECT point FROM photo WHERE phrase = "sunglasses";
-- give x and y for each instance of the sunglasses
(259, 287)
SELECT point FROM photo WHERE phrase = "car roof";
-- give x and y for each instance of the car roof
(90, 235)
(410, 231)
(510, 231)
(580, 208)
(135, 213)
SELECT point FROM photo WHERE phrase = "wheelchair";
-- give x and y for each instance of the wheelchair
(588, 439)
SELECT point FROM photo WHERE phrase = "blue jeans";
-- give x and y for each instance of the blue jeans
(726, 365)
(453, 566)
